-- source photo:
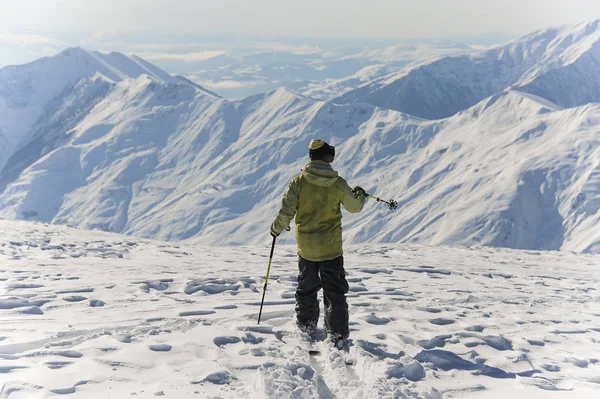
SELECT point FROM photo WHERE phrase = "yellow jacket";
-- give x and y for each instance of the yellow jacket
(314, 198)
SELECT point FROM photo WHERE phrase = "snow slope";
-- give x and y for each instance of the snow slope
(27, 92)
(556, 64)
(508, 172)
(379, 63)
(92, 314)
(174, 171)
(165, 159)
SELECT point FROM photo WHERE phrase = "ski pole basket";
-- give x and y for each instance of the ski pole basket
(391, 204)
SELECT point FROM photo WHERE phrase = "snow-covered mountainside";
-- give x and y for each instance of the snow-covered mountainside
(90, 314)
(156, 156)
(557, 64)
(70, 82)
(378, 63)
(236, 75)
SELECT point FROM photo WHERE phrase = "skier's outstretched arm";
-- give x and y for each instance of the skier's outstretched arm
(289, 207)
(353, 202)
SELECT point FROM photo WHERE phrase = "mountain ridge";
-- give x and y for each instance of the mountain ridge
(26, 90)
(164, 159)
(442, 88)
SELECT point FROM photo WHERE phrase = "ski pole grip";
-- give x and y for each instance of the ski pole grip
(272, 248)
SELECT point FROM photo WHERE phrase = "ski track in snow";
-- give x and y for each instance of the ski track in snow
(91, 314)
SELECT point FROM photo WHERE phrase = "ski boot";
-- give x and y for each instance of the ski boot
(338, 341)
(308, 328)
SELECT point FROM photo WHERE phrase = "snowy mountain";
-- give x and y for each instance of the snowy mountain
(146, 154)
(237, 75)
(68, 83)
(379, 63)
(556, 64)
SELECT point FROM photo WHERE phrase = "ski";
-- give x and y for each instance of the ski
(315, 344)
(344, 347)
(349, 361)
(344, 352)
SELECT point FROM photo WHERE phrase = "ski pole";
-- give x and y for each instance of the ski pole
(391, 203)
(266, 279)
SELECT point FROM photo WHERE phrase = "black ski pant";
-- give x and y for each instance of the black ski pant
(329, 275)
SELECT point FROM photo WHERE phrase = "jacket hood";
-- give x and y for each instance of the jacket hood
(320, 173)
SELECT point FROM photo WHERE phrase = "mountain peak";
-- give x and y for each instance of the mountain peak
(286, 92)
(558, 64)
(115, 66)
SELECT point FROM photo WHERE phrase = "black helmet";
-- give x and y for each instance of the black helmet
(319, 150)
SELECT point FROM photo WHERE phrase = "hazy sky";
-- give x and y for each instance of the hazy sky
(337, 18)
(177, 29)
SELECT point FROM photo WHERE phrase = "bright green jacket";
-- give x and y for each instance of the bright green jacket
(314, 198)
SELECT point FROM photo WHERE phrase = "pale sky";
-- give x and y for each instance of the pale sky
(180, 29)
(320, 18)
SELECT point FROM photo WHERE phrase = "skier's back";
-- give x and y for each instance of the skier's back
(314, 199)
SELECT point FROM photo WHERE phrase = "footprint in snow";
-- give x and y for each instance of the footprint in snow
(497, 342)
(70, 354)
(358, 288)
(212, 286)
(18, 286)
(471, 344)
(375, 271)
(436, 342)
(68, 391)
(158, 285)
(378, 350)
(551, 368)
(252, 339)
(74, 298)
(57, 365)
(581, 363)
(413, 372)
(372, 319)
(428, 309)
(123, 338)
(476, 328)
(218, 378)
(536, 342)
(442, 321)
(196, 313)
(75, 290)
(33, 310)
(8, 369)
(225, 307)
(226, 340)
(160, 347)
(258, 352)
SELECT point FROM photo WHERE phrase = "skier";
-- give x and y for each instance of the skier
(314, 199)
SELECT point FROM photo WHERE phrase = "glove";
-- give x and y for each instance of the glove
(275, 235)
(359, 191)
